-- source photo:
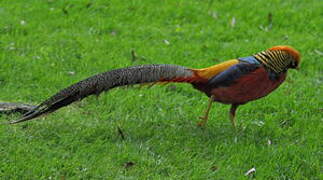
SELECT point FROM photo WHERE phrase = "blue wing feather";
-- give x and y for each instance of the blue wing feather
(250, 60)
(229, 76)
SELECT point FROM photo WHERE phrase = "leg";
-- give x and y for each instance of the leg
(206, 115)
(232, 114)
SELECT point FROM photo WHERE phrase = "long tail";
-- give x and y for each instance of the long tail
(108, 80)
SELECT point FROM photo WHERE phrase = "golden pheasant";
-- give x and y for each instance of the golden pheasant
(234, 82)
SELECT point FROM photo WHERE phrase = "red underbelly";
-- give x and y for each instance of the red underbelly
(247, 88)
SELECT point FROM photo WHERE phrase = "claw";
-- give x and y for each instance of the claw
(203, 122)
(200, 124)
(203, 117)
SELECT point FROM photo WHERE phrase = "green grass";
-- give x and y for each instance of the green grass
(42, 42)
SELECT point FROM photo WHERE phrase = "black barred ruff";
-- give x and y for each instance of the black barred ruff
(277, 60)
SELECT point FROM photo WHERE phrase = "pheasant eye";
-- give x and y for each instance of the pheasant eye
(293, 64)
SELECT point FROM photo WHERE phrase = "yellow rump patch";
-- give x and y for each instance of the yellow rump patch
(207, 73)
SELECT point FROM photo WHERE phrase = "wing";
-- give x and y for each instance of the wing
(226, 78)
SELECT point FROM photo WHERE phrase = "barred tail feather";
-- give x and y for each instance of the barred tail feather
(96, 84)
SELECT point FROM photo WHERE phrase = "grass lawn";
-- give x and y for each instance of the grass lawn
(46, 45)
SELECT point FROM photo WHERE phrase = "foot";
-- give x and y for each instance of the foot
(203, 122)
